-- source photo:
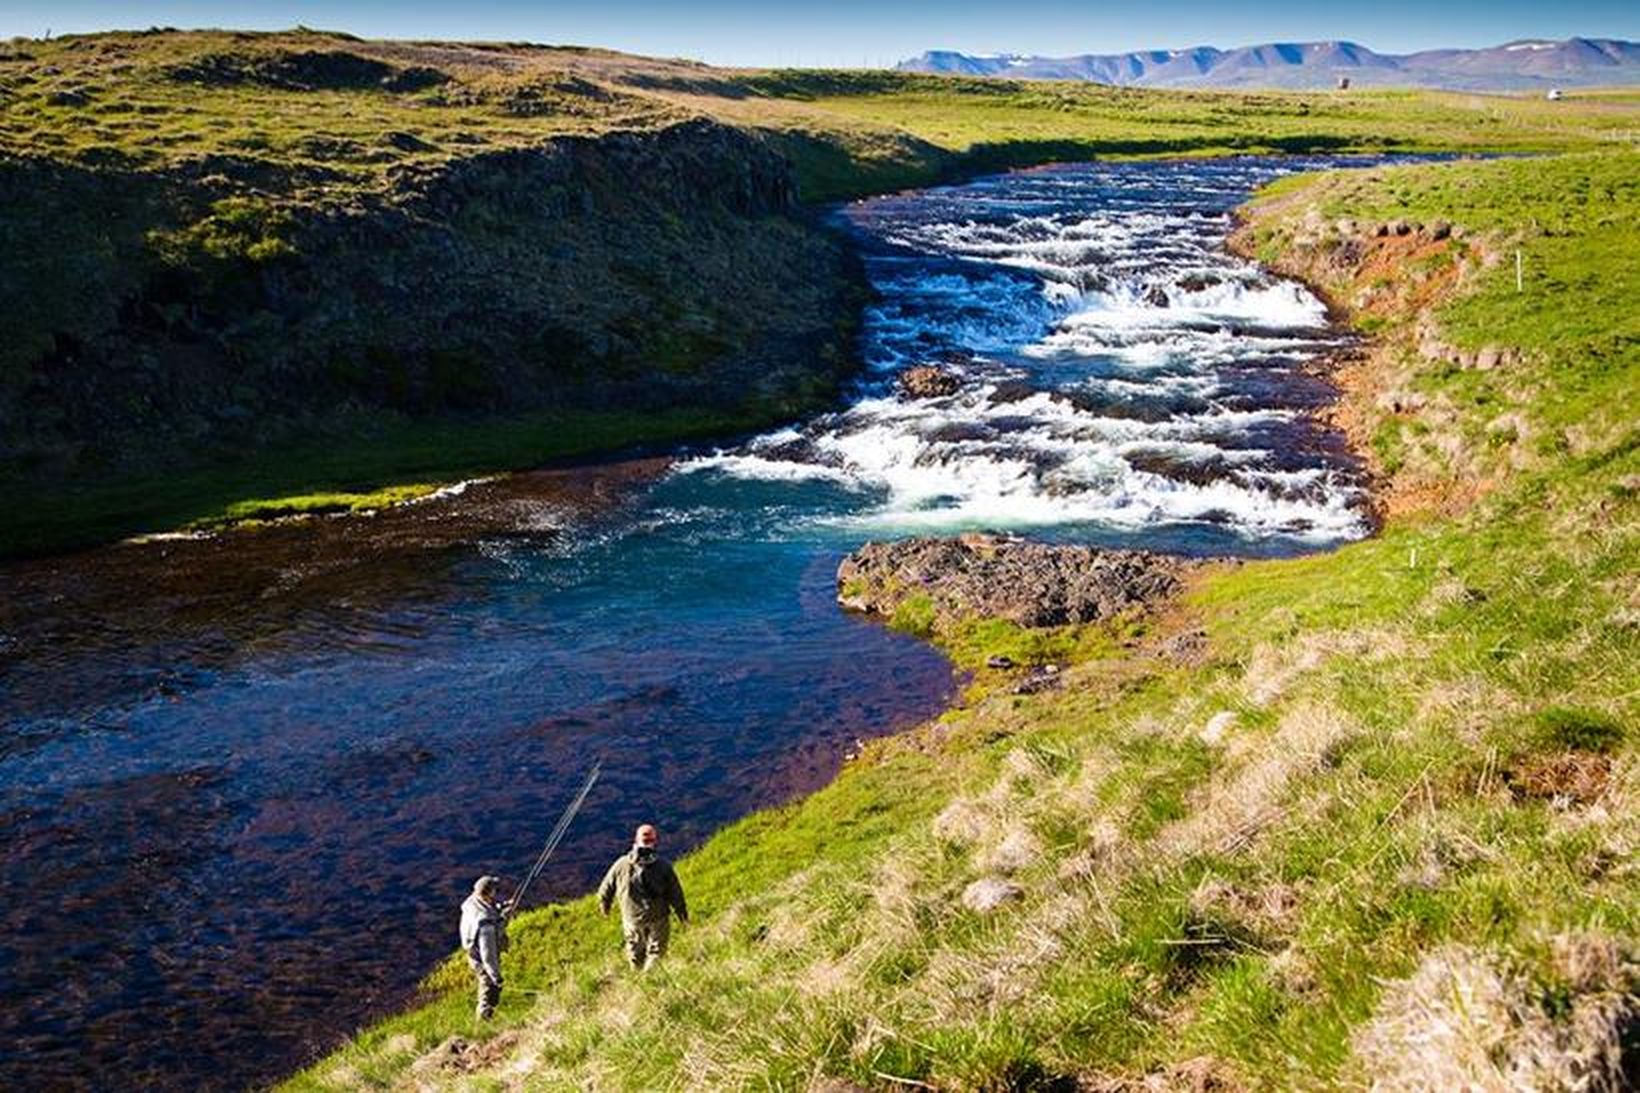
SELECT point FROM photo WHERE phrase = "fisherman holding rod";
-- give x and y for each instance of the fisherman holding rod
(484, 918)
(483, 937)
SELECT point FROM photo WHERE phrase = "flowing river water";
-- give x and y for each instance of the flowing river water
(245, 780)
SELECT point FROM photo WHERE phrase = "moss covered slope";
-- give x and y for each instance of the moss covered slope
(1363, 816)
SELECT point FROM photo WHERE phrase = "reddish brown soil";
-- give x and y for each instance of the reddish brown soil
(1575, 776)
(1367, 277)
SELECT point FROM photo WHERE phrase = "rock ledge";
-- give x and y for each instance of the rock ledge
(1027, 583)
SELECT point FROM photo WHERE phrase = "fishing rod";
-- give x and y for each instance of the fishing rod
(555, 838)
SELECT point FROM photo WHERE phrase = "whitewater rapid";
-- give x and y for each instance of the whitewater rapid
(1122, 374)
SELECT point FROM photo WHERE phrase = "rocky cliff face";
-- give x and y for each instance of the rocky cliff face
(166, 315)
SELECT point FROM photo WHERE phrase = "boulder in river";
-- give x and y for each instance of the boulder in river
(928, 381)
(1027, 583)
(1009, 391)
(1179, 466)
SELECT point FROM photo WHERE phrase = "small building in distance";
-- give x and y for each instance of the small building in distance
(1343, 83)
(1555, 94)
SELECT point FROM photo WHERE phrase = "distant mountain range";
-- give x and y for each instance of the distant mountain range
(1523, 65)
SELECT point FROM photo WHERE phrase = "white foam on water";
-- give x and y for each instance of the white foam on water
(1133, 502)
(778, 436)
(1190, 451)
(454, 489)
(1124, 312)
(757, 468)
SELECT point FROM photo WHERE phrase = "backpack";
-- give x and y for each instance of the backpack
(647, 886)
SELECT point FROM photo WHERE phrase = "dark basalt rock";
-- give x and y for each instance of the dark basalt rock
(959, 431)
(1043, 677)
(304, 70)
(1198, 472)
(801, 450)
(406, 142)
(1103, 404)
(1090, 281)
(415, 78)
(629, 271)
(1010, 391)
(1197, 282)
(1028, 583)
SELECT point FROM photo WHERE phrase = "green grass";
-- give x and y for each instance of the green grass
(151, 101)
(315, 504)
(356, 473)
(966, 126)
(1569, 320)
(1245, 901)
(131, 100)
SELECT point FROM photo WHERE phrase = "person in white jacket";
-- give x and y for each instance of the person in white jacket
(483, 937)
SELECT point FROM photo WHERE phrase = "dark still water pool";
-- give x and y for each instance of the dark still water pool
(246, 780)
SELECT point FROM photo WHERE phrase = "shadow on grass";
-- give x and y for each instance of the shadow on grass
(1003, 155)
(333, 474)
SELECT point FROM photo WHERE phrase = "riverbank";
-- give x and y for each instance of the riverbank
(316, 252)
(1263, 838)
(386, 464)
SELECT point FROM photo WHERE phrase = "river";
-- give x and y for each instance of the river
(246, 779)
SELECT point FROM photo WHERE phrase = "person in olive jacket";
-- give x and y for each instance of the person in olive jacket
(649, 893)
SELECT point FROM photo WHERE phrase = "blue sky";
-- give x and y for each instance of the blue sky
(868, 32)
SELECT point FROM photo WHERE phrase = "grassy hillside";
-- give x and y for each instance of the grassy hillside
(1366, 816)
(246, 269)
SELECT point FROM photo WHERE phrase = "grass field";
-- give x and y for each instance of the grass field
(328, 113)
(967, 126)
(1380, 828)
(320, 116)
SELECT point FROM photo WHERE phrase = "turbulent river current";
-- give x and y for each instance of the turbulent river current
(246, 780)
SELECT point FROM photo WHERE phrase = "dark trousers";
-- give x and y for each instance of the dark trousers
(489, 991)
